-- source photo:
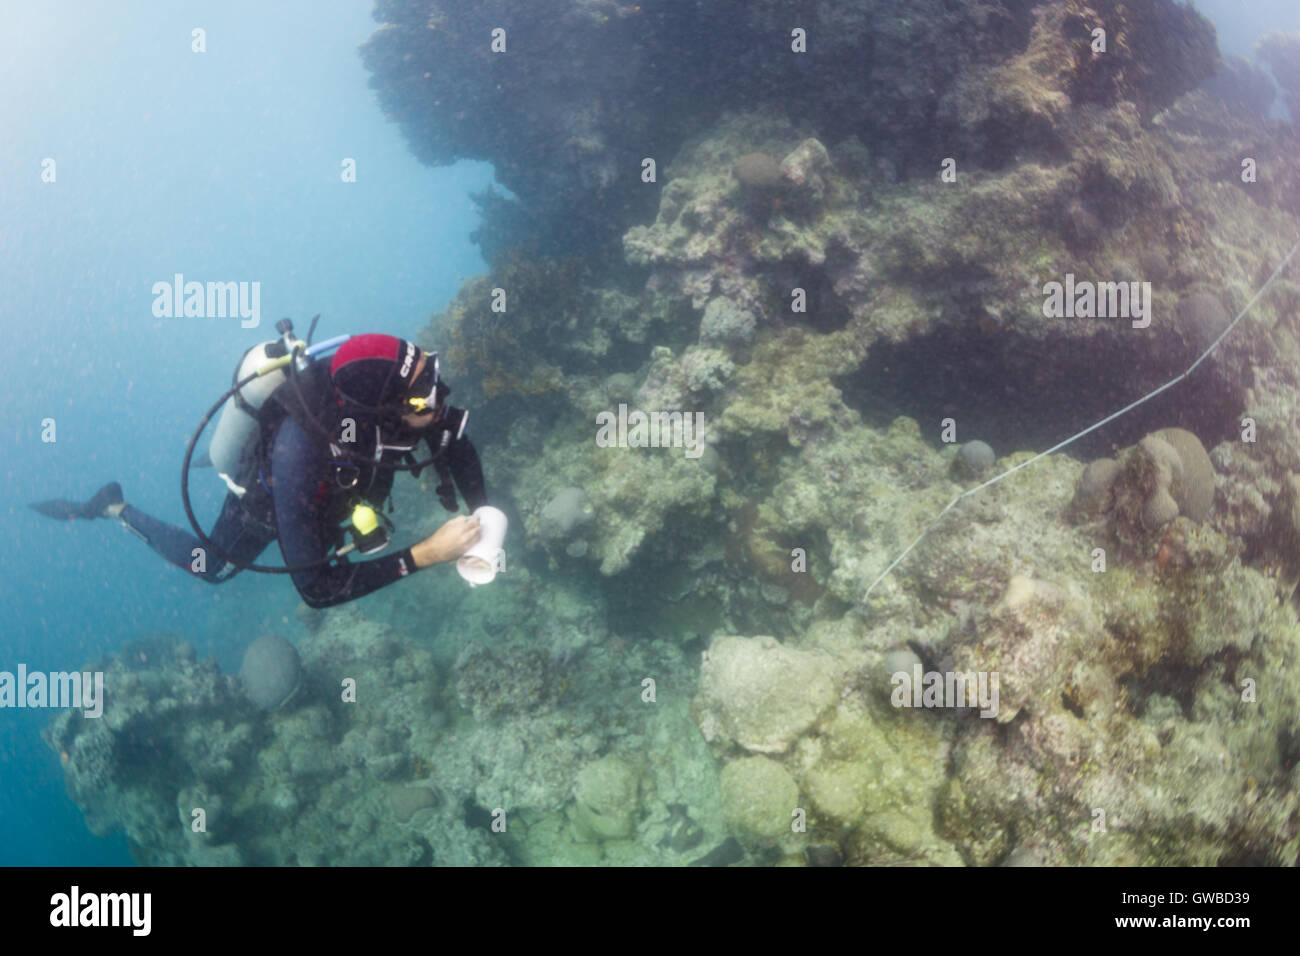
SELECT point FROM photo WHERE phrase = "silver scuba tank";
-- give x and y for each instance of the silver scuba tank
(233, 448)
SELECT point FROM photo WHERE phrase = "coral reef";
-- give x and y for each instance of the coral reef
(1120, 684)
(318, 781)
(682, 663)
(379, 761)
(568, 145)
(1155, 52)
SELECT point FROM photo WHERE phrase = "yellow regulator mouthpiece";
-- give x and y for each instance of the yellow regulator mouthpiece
(364, 519)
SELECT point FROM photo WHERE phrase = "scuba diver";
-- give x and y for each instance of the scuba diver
(316, 449)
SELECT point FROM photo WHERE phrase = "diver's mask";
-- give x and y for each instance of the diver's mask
(423, 394)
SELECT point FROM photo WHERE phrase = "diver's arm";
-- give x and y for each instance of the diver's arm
(305, 538)
(456, 536)
(466, 468)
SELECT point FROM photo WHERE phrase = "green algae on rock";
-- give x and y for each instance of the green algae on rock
(759, 798)
(606, 800)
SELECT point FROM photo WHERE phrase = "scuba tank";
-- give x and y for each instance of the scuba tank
(234, 445)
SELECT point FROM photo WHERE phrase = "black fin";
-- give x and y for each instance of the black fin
(60, 508)
(110, 494)
(65, 510)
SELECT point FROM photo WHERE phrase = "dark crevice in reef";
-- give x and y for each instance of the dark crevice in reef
(1020, 393)
(1006, 138)
(826, 312)
(1073, 706)
(1288, 745)
(1178, 679)
(1247, 856)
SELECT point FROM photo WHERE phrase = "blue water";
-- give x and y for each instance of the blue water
(223, 166)
(1241, 22)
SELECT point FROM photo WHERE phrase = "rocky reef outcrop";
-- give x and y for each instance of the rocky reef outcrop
(567, 97)
(384, 758)
(801, 276)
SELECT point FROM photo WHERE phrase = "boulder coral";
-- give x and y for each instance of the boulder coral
(760, 694)
(1166, 475)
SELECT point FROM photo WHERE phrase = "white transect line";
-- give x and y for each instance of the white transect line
(1091, 428)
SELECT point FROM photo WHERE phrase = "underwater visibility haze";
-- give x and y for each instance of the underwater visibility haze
(708, 433)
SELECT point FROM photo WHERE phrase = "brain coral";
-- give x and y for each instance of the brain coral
(1160, 509)
(1193, 489)
(1181, 477)
(606, 800)
(758, 171)
(1202, 318)
(269, 673)
(974, 458)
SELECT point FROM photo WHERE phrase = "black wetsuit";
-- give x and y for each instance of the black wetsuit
(301, 499)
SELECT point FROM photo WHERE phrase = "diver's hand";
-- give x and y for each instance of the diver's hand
(449, 542)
